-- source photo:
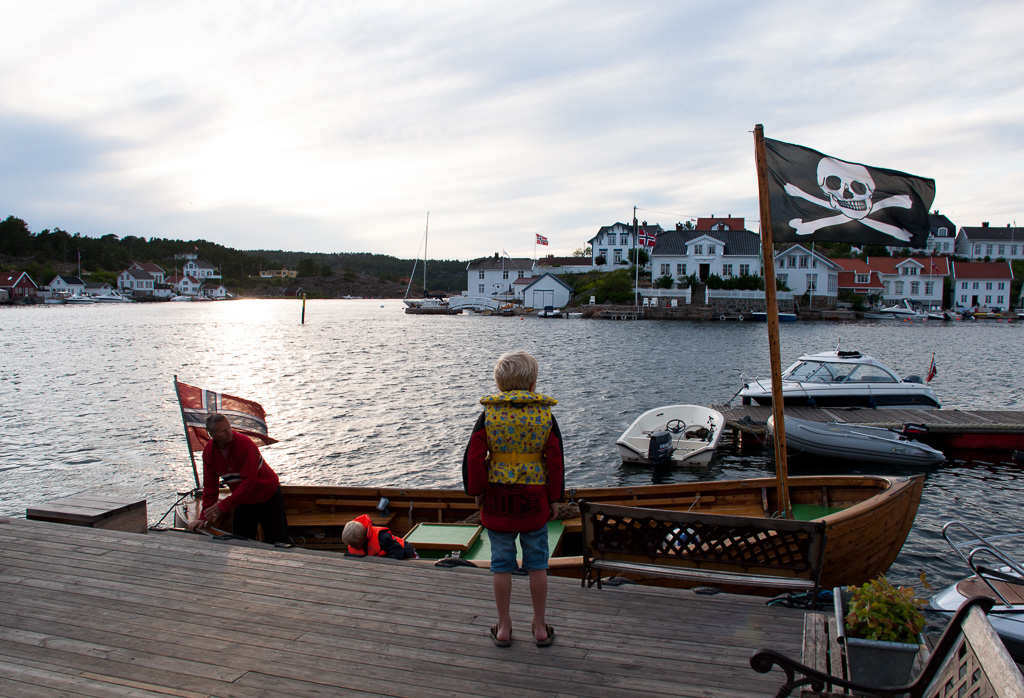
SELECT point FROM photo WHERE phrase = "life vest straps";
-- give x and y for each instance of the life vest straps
(498, 458)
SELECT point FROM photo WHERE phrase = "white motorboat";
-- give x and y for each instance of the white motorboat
(905, 309)
(1003, 581)
(879, 316)
(182, 299)
(842, 379)
(682, 435)
(856, 442)
(79, 299)
(549, 311)
(111, 298)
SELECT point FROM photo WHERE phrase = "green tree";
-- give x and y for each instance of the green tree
(307, 267)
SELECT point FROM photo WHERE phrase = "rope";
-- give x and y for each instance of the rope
(157, 526)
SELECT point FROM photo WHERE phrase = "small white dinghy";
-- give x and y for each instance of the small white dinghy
(856, 442)
(687, 434)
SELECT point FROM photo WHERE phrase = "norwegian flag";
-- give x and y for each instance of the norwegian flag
(647, 239)
(541, 240)
(931, 371)
(246, 417)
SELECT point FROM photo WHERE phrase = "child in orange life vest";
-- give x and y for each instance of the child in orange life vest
(364, 539)
(513, 465)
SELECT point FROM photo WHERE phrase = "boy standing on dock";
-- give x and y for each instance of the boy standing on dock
(514, 466)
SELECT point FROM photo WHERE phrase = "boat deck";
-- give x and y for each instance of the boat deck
(966, 429)
(92, 612)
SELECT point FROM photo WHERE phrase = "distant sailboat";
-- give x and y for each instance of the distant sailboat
(425, 305)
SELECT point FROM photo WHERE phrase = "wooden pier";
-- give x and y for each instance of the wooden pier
(1000, 430)
(95, 612)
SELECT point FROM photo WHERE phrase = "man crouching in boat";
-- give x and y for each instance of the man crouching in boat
(255, 498)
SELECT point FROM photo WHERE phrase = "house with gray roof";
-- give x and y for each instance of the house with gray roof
(201, 269)
(136, 282)
(613, 243)
(994, 243)
(66, 285)
(494, 277)
(727, 253)
(546, 290)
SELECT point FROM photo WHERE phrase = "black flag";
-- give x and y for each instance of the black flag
(817, 197)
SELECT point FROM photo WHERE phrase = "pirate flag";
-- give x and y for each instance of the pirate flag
(817, 197)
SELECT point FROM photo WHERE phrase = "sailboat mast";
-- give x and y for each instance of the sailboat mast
(426, 232)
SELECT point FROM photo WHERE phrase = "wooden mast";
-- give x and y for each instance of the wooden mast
(772, 308)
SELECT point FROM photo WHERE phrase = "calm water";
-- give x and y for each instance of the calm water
(363, 394)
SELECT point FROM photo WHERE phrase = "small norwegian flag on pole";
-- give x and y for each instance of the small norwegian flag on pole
(931, 370)
(647, 239)
(541, 240)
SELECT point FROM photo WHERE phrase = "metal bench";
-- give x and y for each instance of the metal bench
(701, 548)
(968, 660)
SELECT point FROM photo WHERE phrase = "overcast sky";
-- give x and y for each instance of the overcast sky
(335, 126)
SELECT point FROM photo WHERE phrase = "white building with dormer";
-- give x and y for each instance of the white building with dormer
(613, 243)
(201, 270)
(717, 246)
(154, 270)
(990, 243)
(494, 277)
(805, 271)
(136, 282)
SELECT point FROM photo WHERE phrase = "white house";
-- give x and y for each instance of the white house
(96, 288)
(184, 284)
(136, 281)
(807, 271)
(66, 284)
(201, 269)
(982, 285)
(217, 291)
(613, 243)
(991, 243)
(154, 270)
(941, 238)
(494, 276)
(545, 290)
(918, 279)
(726, 253)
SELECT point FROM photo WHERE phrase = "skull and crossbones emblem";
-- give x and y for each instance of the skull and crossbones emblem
(849, 189)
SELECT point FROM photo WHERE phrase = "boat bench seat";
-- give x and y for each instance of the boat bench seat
(701, 548)
(336, 519)
(969, 659)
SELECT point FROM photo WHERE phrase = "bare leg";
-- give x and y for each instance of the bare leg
(503, 599)
(539, 598)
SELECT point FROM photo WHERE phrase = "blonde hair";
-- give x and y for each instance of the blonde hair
(516, 370)
(354, 534)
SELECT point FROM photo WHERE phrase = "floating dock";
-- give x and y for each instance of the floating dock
(98, 612)
(969, 430)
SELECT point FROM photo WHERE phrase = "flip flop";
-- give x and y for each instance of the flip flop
(546, 642)
(497, 642)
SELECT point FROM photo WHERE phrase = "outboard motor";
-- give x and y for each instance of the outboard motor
(914, 431)
(659, 451)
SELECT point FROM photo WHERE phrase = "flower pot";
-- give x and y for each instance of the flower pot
(874, 663)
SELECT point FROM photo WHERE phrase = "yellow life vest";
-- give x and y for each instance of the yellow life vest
(518, 423)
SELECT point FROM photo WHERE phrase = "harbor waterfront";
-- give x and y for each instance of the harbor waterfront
(363, 394)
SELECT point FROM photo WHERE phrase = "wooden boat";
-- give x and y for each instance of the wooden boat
(867, 518)
(690, 432)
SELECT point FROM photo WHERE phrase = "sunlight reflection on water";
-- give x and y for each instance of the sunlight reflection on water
(363, 394)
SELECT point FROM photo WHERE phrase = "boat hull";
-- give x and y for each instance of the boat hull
(687, 449)
(864, 536)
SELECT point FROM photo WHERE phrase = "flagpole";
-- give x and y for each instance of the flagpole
(184, 424)
(772, 309)
(636, 262)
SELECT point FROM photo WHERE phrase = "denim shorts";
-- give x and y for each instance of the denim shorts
(503, 550)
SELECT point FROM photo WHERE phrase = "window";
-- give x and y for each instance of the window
(988, 249)
(618, 256)
(665, 268)
(522, 274)
(975, 285)
(783, 279)
(711, 249)
(1013, 250)
(624, 239)
(899, 288)
(929, 288)
(726, 270)
(744, 270)
(504, 274)
(977, 250)
(915, 288)
(603, 253)
(698, 249)
(812, 282)
(480, 289)
(1002, 250)
(481, 274)
(988, 286)
(988, 300)
(886, 284)
(680, 270)
(803, 262)
(943, 232)
(863, 278)
(833, 284)
(1002, 285)
(964, 285)
(999, 300)
(963, 300)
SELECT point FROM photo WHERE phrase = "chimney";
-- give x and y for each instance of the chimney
(984, 224)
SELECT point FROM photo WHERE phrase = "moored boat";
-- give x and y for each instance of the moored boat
(842, 379)
(856, 442)
(867, 518)
(684, 434)
(760, 316)
(79, 299)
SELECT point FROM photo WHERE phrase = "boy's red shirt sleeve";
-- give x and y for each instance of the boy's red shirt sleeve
(554, 459)
(474, 461)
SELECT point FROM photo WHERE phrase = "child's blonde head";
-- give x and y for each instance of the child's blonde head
(516, 370)
(354, 534)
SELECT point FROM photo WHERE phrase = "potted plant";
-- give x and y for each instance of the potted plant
(880, 624)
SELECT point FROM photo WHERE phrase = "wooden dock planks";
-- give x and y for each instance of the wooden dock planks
(103, 613)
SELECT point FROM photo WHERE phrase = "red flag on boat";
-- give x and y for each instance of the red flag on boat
(541, 240)
(931, 371)
(246, 417)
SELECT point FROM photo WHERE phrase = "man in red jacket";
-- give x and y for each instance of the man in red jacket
(255, 499)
